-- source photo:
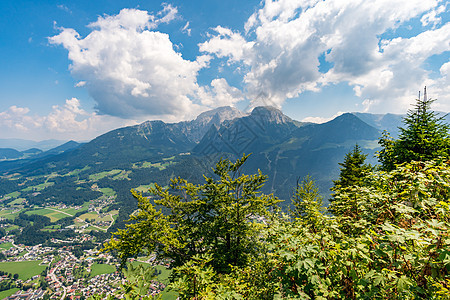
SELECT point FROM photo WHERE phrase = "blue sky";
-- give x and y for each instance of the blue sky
(76, 69)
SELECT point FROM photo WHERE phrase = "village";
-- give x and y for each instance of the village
(66, 276)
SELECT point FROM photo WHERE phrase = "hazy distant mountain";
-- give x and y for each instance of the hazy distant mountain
(390, 122)
(8, 153)
(21, 145)
(30, 157)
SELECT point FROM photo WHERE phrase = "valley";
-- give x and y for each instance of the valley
(56, 210)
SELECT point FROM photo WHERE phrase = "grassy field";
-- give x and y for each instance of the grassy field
(6, 246)
(25, 269)
(18, 201)
(9, 213)
(108, 192)
(98, 176)
(7, 293)
(159, 165)
(12, 227)
(38, 187)
(53, 215)
(122, 175)
(98, 269)
(12, 195)
(70, 210)
(144, 188)
(77, 171)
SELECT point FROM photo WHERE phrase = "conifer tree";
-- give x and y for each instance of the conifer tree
(353, 169)
(307, 200)
(424, 137)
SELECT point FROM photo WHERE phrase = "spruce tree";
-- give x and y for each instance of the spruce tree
(424, 137)
(307, 200)
(353, 169)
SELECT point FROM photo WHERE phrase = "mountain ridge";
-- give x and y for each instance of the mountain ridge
(155, 151)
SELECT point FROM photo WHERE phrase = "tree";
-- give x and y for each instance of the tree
(222, 219)
(353, 169)
(388, 239)
(425, 137)
(307, 200)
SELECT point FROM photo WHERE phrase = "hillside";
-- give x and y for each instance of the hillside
(154, 151)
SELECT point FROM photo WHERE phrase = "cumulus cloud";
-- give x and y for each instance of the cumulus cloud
(220, 92)
(320, 120)
(285, 42)
(131, 70)
(68, 121)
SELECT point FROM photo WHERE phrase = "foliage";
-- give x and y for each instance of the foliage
(353, 169)
(135, 287)
(307, 200)
(222, 219)
(425, 137)
(389, 239)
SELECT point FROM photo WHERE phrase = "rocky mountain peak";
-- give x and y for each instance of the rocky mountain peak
(218, 115)
(270, 114)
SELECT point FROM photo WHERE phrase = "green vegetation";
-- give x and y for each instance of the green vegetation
(386, 234)
(7, 293)
(39, 187)
(354, 169)
(424, 138)
(6, 246)
(10, 214)
(122, 175)
(144, 188)
(53, 215)
(17, 201)
(12, 195)
(25, 269)
(98, 176)
(160, 165)
(98, 269)
(108, 192)
(77, 172)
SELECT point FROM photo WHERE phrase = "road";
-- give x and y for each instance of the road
(55, 279)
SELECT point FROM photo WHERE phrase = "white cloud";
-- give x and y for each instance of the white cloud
(64, 8)
(132, 71)
(320, 120)
(186, 29)
(284, 40)
(169, 13)
(220, 94)
(68, 121)
(431, 18)
(80, 84)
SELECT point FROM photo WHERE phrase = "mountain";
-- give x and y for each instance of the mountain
(21, 144)
(286, 150)
(31, 156)
(120, 148)
(8, 153)
(389, 122)
(154, 151)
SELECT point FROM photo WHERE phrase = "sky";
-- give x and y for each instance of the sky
(77, 69)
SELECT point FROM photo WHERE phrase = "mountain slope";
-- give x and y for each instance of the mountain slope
(285, 150)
